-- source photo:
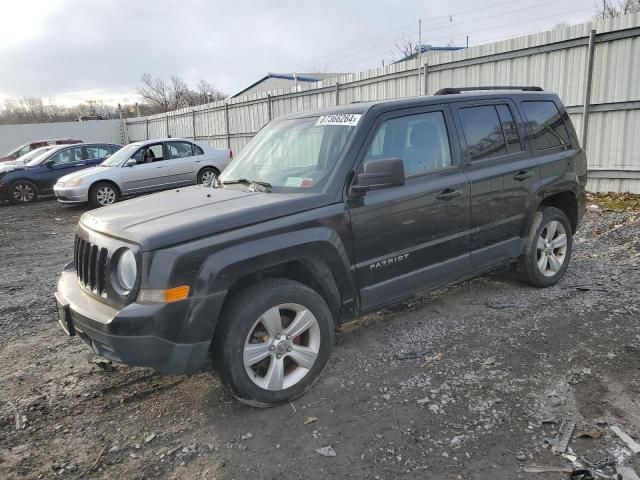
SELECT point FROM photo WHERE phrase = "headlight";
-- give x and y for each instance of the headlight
(126, 270)
(71, 183)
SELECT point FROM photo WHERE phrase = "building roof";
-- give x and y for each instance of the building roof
(300, 77)
(430, 48)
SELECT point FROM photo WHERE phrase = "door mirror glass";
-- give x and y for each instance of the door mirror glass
(379, 174)
(131, 162)
(49, 163)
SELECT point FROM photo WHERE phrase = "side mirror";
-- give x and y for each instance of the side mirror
(49, 163)
(379, 174)
(130, 163)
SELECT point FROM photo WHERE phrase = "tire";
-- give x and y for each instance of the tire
(244, 323)
(207, 174)
(23, 191)
(545, 260)
(103, 194)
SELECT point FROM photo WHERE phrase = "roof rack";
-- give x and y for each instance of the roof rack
(452, 91)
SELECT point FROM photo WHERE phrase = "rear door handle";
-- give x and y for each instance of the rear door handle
(523, 175)
(448, 194)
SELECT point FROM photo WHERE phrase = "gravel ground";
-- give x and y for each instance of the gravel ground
(463, 383)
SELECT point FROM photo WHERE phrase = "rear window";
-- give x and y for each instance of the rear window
(546, 125)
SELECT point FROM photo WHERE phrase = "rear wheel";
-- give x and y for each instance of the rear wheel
(22, 191)
(548, 248)
(102, 194)
(207, 175)
(275, 342)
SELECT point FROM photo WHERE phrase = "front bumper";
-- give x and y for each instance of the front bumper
(137, 335)
(71, 194)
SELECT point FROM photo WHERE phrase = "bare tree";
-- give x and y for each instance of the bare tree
(615, 8)
(162, 96)
(405, 48)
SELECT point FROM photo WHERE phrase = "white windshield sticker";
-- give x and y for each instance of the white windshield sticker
(348, 119)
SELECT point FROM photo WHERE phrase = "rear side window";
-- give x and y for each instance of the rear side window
(197, 150)
(180, 149)
(546, 125)
(96, 151)
(509, 128)
(483, 132)
(421, 141)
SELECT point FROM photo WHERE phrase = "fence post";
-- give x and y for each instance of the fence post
(167, 118)
(269, 114)
(426, 82)
(146, 136)
(226, 121)
(193, 121)
(123, 126)
(337, 93)
(587, 93)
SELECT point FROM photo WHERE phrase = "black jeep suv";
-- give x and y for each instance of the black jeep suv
(324, 216)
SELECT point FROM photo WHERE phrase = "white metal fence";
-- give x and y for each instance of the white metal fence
(556, 60)
(12, 136)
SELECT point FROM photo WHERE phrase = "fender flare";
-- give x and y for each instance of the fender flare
(222, 269)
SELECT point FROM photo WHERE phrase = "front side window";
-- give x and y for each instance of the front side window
(68, 155)
(546, 125)
(420, 140)
(299, 153)
(483, 132)
(149, 154)
(179, 149)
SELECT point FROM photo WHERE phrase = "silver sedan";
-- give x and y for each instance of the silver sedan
(143, 167)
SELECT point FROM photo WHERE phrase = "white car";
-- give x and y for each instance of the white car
(143, 167)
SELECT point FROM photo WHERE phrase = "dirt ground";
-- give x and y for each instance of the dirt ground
(462, 383)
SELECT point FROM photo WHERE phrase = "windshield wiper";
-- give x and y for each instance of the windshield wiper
(260, 186)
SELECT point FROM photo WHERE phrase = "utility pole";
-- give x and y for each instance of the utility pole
(419, 56)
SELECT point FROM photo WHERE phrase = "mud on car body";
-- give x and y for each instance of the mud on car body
(325, 216)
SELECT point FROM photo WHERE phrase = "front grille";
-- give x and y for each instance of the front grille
(91, 266)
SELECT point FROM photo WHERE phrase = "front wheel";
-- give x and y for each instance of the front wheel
(275, 341)
(548, 248)
(103, 194)
(22, 191)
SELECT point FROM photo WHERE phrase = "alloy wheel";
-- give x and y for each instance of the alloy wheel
(207, 177)
(23, 193)
(281, 347)
(105, 195)
(552, 248)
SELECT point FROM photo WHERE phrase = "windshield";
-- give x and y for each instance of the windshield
(18, 151)
(120, 156)
(38, 159)
(32, 155)
(297, 154)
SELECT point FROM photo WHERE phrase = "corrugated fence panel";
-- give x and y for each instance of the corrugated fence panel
(555, 60)
(12, 136)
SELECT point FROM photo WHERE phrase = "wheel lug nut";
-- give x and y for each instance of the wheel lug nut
(288, 337)
(279, 355)
(289, 349)
(272, 347)
(278, 337)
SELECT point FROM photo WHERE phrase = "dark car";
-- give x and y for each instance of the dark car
(28, 147)
(24, 183)
(322, 217)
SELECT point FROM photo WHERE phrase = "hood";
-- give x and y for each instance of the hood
(11, 167)
(85, 172)
(175, 216)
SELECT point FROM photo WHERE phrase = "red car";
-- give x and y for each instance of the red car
(27, 147)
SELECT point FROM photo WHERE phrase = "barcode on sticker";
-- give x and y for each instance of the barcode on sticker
(347, 119)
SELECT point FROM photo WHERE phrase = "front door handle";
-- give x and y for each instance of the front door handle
(448, 194)
(523, 175)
